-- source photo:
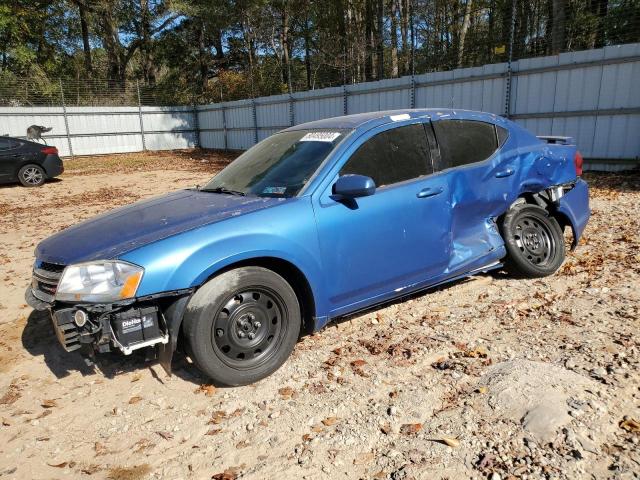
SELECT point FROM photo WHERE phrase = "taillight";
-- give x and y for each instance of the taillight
(577, 160)
(49, 150)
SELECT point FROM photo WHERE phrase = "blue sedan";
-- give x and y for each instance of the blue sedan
(320, 220)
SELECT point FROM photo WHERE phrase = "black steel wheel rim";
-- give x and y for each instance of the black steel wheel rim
(247, 330)
(535, 240)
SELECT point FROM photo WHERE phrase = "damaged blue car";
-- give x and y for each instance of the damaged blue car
(318, 221)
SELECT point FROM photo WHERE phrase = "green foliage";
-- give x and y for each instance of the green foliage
(182, 51)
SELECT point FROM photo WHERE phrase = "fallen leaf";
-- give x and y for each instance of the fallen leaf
(208, 390)
(134, 400)
(451, 442)
(165, 435)
(217, 417)
(286, 392)
(214, 431)
(358, 363)
(48, 404)
(129, 473)
(242, 444)
(327, 422)
(482, 390)
(136, 377)
(6, 423)
(228, 474)
(630, 425)
(58, 465)
(410, 428)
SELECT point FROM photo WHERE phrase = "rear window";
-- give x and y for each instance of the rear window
(463, 142)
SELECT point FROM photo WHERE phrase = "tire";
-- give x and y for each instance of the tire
(534, 242)
(242, 325)
(32, 176)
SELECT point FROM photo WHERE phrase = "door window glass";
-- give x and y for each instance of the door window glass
(463, 142)
(392, 156)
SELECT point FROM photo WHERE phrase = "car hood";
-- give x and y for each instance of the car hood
(124, 229)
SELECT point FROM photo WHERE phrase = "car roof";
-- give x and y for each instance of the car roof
(21, 140)
(373, 119)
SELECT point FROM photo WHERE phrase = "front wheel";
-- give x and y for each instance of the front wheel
(534, 241)
(242, 325)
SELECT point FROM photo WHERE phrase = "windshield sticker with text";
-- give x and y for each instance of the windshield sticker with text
(274, 190)
(320, 137)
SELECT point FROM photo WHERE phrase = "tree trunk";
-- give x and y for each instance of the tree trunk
(404, 33)
(368, 20)
(558, 26)
(463, 31)
(286, 68)
(307, 54)
(82, 12)
(148, 67)
(394, 39)
(599, 8)
(203, 64)
(380, 40)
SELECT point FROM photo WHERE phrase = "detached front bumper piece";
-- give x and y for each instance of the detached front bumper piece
(104, 327)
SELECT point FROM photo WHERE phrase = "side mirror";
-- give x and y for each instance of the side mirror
(353, 186)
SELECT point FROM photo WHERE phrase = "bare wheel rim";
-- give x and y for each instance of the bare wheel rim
(32, 176)
(248, 329)
(535, 240)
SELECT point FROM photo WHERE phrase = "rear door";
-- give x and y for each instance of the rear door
(374, 247)
(480, 178)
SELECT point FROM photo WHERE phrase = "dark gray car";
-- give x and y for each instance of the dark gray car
(29, 163)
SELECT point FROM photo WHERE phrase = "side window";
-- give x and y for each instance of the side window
(503, 134)
(392, 156)
(5, 144)
(464, 141)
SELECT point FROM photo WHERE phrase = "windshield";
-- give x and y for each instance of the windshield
(279, 166)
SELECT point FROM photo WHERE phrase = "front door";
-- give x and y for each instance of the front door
(375, 247)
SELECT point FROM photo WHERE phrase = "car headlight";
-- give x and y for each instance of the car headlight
(101, 281)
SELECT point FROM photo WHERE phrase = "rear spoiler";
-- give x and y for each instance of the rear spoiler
(556, 140)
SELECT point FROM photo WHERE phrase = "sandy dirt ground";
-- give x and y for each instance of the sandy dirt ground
(492, 377)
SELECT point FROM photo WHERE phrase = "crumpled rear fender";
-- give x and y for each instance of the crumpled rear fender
(574, 205)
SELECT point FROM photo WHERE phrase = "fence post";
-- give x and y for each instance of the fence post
(255, 120)
(413, 91)
(66, 120)
(224, 128)
(144, 145)
(196, 126)
(345, 100)
(292, 118)
(507, 93)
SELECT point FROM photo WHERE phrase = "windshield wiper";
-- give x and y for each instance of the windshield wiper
(224, 190)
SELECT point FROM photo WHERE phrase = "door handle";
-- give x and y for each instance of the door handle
(430, 192)
(505, 173)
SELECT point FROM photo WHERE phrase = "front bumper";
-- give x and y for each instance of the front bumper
(152, 321)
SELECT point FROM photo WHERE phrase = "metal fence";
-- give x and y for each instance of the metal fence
(590, 95)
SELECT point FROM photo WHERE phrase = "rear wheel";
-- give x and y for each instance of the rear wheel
(242, 325)
(32, 175)
(534, 241)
